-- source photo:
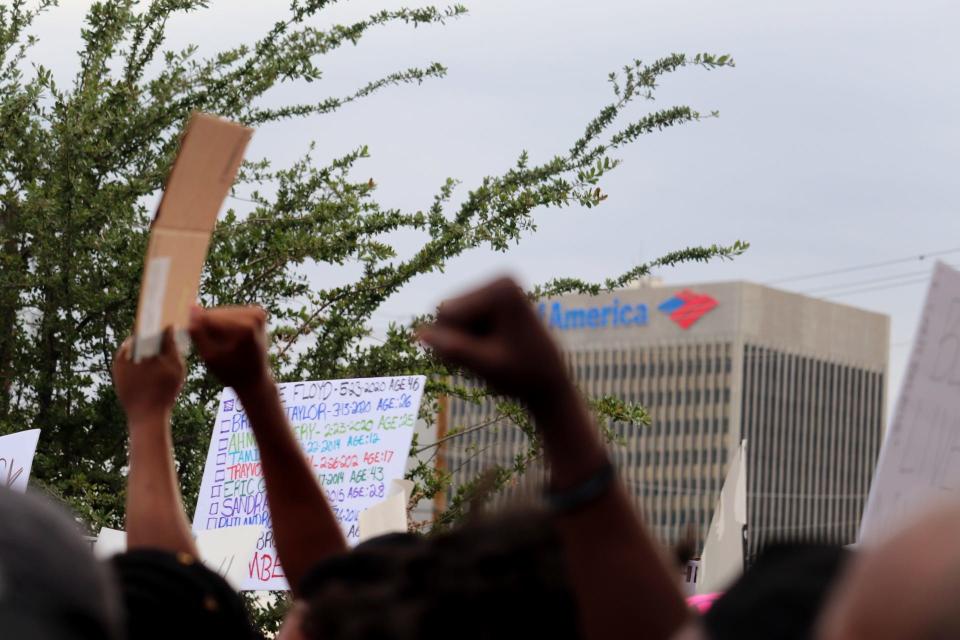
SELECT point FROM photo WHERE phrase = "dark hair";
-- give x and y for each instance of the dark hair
(499, 577)
(780, 596)
(171, 595)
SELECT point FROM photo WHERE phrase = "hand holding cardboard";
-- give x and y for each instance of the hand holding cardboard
(201, 176)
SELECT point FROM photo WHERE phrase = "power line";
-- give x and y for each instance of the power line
(862, 267)
(844, 294)
(912, 275)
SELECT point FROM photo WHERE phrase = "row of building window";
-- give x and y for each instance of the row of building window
(680, 397)
(649, 399)
(694, 426)
(644, 369)
(713, 426)
(674, 517)
(641, 458)
(680, 488)
(813, 429)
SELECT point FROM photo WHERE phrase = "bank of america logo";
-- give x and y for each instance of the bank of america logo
(687, 307)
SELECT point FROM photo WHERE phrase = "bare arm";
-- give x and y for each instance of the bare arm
(233, 344)
(621, 578)
(622, 582)
(147, 391)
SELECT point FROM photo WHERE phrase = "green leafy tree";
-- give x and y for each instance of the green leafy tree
(82, 162)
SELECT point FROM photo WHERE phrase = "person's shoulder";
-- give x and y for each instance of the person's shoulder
(166, 593)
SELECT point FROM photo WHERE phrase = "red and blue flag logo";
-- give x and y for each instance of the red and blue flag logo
(686, 307)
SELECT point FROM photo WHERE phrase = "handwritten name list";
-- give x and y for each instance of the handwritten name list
(355, 433)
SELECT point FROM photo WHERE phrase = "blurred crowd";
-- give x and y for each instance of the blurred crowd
(579, 564)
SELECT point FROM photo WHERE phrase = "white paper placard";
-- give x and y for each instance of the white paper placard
(919, 464)
(149, 331)
(356, 434)
(109, 543)
(389, 515)
(16, 458)
(222, 550)
(227, 551)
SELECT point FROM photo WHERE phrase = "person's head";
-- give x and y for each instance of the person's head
(780, 596)
(905, 587)
(51, 587)
(493, 577)
(172, 595)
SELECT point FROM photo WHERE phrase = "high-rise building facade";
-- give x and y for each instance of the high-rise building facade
(801, 380)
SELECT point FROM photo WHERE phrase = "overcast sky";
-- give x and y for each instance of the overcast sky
(837, 145)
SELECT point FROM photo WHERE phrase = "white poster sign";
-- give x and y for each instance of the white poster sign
(356, 434)
(224, 551)
(389, 515)
(16, 458)
(722, 559)
(919, 463)
(109, 543)
(228, 550)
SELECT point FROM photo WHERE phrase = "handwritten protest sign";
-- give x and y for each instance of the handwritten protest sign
(16, 458)
(919, 461)
(356, 434)
(388, 515)
(228, 550)
(224, 551)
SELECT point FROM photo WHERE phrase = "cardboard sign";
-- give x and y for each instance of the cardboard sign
(16, 458)
(919, 463)
(356, 435)
(202, 174)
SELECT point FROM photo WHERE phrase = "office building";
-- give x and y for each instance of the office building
(801, 380)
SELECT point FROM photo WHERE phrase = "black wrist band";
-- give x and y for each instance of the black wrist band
(584, 493)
